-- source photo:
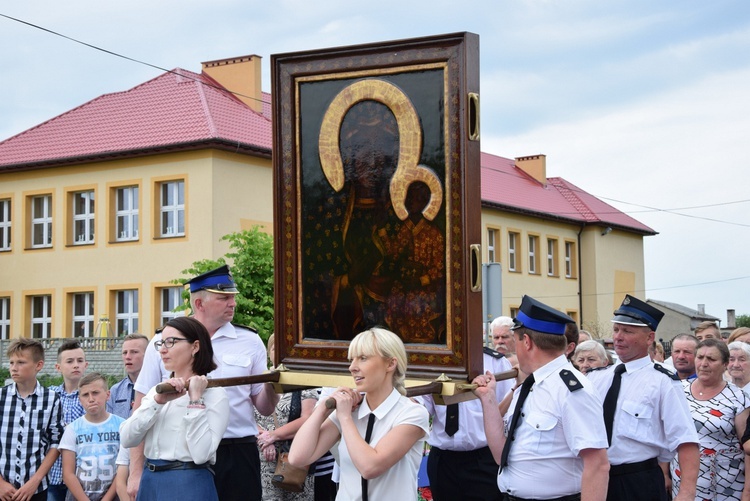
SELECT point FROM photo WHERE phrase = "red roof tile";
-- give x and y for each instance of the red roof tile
(176, 108)
(507, 187)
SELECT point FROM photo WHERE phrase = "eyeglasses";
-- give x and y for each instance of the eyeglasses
(169, 342)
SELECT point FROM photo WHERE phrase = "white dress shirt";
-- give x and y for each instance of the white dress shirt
(556, 425)
(175, 433)
(470, 435)
(398, 483)
(652, 417)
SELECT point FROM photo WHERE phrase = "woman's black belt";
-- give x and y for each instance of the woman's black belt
(572, 497)
(627, 468)
(175, 465)
(252, 439)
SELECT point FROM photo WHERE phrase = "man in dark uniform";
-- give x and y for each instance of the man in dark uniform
(556, 441)
(645, 412)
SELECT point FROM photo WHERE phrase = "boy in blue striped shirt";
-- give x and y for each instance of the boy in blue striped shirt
(71, 364)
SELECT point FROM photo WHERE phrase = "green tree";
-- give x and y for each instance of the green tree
(250, 260)
(742, 320)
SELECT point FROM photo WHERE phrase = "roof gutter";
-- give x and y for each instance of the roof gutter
(554, 217)
(219, 144)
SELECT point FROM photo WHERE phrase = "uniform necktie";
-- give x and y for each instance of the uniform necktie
(525, 388)
(368, 436)
(610, 401)
(451, 419)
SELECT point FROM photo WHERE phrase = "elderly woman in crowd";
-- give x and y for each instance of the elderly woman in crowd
(590, 355)
(720, 411)
(739, 364)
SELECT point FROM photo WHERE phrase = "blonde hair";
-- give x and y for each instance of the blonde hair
(739, 331)
(382, 342)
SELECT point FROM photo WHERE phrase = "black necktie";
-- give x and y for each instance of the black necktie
(610, 401)
(451, 419)
(525, 388)
(368, 436)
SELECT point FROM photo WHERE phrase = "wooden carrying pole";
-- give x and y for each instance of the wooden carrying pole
(437, 387)
(268, 377)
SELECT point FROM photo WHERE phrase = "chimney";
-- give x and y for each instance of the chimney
(240, 75)
(731, 320)
(702, 309)
(535, 166)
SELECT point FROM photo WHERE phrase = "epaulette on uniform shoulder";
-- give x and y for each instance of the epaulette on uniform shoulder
(245, 327)
(570, 380)
(493, 353)
(666, 371)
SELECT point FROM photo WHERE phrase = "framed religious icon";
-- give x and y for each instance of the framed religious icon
(377, 202)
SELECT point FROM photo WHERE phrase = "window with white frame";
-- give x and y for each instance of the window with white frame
(83, 217)
(41, 221)
(172, 207)
(41, 316)
(491, 245)
(533, 257)
(170, 298)
(512, 251)
(126, 213)
(570, 259)
(4, 318)
(5, 219)
(83, 314)
(126, 308)
(551, 257)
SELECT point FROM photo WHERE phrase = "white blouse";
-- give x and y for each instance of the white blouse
(173, 432)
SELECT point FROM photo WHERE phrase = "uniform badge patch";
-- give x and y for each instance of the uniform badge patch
(570, 380)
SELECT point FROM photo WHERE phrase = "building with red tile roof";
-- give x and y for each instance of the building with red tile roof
(108, 202)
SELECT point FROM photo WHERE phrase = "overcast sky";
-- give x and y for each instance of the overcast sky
(644, 104)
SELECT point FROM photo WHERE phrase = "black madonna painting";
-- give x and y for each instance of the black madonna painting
(372, 177)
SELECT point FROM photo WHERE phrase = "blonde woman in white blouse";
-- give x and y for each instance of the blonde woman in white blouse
(379, 436)
(181, 430)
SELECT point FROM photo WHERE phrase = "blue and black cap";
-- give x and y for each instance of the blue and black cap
(219, 281)
(633, 311)
(540, 318)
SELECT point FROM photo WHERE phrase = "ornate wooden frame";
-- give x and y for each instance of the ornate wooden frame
(425, 95)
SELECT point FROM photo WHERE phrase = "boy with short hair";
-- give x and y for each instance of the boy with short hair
(71, 363)
(31, 414)
(121, 394)
(90, 444)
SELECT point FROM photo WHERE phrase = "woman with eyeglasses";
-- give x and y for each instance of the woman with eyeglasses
(181, 430)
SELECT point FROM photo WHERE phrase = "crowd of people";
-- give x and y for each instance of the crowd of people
(577, 423)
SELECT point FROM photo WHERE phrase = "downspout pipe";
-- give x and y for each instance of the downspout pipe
(580, 275)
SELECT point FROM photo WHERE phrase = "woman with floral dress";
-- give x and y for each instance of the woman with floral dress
(720, 412)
